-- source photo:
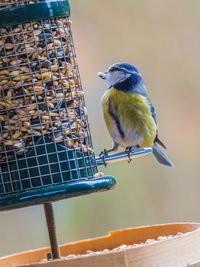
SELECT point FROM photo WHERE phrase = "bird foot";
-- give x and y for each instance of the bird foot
(130, 149)
(102, 155)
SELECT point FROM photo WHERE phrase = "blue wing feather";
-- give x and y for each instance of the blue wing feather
(152, 109)
(153, 113)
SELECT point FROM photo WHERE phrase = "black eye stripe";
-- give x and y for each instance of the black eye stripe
(114, 68)
(122, 69)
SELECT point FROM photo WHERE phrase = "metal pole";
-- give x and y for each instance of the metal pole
(122, 156)
(48, 209)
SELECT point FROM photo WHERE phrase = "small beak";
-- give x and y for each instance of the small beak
(102, 75)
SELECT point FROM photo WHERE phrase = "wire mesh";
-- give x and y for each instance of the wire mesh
(44, 132)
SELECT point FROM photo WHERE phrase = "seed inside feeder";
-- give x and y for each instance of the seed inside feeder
(40, 91)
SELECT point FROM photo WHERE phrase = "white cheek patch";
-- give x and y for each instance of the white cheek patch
(115, 77)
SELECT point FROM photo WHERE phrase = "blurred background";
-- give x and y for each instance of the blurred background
(162, 39)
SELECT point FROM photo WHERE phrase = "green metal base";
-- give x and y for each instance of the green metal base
(47, 164)
(56, 192)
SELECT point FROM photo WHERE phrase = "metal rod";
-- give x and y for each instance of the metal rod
(122, 156)
(48, 209)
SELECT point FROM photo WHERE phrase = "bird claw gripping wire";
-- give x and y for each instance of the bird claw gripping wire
(102, 155)
(128, 150)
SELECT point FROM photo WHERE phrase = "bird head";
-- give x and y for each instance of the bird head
(125, 77)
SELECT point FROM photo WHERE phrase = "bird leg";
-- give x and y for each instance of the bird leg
(105, 152)
(130, 149)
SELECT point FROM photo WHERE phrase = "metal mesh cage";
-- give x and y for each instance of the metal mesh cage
(44, 133)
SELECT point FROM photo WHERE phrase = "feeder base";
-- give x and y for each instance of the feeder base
(179, 251)
(56, 192)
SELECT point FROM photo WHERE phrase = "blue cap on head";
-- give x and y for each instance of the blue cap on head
(125, 66)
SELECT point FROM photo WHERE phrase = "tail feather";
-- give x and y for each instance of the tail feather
(161, 157)
(157, 140)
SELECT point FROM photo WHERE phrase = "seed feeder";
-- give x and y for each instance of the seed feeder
(46, 151)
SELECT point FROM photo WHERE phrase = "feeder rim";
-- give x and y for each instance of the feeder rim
(57, 192)
(28, 13)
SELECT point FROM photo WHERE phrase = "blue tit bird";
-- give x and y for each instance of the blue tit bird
(128, 112)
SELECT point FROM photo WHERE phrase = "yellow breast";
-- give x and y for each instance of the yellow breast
(133, 114)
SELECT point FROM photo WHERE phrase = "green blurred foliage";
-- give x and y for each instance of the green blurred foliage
(162, 39)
